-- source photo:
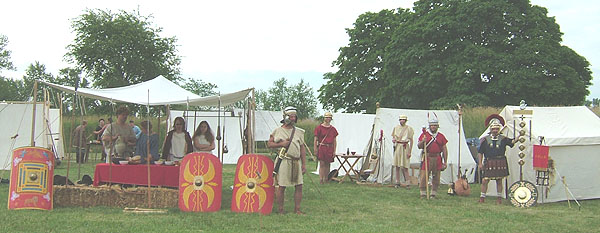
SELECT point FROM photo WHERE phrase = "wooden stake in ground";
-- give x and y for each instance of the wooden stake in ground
(148, 155)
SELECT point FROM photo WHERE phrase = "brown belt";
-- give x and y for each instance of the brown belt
(434, 154)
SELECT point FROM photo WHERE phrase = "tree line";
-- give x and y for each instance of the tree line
(432, 56)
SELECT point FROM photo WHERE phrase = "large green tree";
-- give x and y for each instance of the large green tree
(9, 88)
(281, 95)
(123, 48)
(5, 63)
(480, 53)
(354, 86)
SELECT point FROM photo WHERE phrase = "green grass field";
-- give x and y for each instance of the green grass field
(345, 207)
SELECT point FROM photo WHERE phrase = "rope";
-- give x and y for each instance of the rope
(8, 159)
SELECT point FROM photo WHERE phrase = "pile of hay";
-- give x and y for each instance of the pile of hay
(86, 196)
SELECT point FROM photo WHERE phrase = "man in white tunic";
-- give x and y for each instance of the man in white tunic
(402, 137)
(293, 161)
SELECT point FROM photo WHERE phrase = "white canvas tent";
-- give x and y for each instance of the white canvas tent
(232, 126)
(158, 91)
(265, 123)
(354, 131)
(386, 119)
(574, 140)
(16, 129)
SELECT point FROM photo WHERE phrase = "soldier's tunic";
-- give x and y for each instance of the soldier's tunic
(493, 149)
(402, 134)
(290, 170)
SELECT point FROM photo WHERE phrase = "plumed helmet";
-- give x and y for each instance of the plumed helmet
(494, 121)
(433, 119)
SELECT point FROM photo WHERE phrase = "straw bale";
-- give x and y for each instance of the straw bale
(115, 196)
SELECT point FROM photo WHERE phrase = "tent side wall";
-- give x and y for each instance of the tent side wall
(386, 119)
(354, 131)
(574, 147)
(16, 118)
(233, 132)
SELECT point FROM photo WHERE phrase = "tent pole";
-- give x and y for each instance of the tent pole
(60, 120)
(252, 108)
(33, 113)
(148, 155)
(219, 129)
(459, 127)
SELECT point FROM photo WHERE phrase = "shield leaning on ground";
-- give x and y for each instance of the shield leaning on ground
(31, 178)
(200, 181)
(253, 190)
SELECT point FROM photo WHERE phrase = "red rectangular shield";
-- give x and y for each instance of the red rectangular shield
(31, 179)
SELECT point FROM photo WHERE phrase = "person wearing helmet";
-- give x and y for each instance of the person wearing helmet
(291, 162)
(437, 156)
(402, 137)
(324, 145)
(495, 166)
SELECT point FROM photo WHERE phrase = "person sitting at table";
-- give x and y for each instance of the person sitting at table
(120, 135)
(136, 129)
(141, 147)
(204, 140)
(178, 142)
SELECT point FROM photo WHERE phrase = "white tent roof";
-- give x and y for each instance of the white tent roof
(574, 140)
(161, 92)
(560, 126)
(386, 119)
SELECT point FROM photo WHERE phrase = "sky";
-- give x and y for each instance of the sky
(242, 44)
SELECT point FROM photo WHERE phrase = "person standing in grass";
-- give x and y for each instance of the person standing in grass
(79, 141)
(495, 166)
(437, 156)
(324, 145)
(402, 137)
(291, 162)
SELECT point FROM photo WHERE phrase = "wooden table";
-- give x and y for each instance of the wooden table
(343, 160)
(94, 144)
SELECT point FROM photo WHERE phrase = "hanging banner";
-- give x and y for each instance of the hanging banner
(540, 157)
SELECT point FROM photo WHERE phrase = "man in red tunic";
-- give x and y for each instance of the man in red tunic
(324, 145)
(437, 156)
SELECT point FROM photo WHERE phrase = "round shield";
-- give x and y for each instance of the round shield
(523, 194)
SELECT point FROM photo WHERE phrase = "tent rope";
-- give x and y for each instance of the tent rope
(8, 159)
